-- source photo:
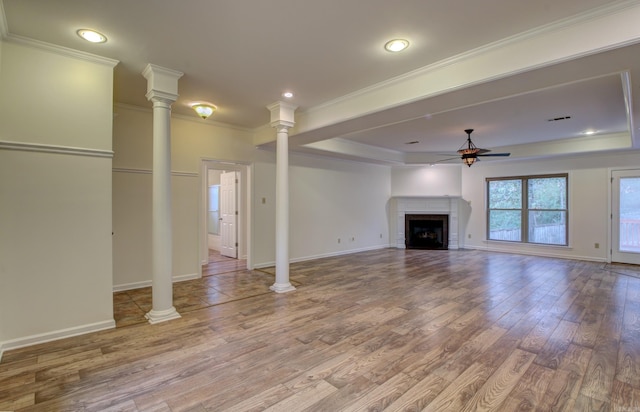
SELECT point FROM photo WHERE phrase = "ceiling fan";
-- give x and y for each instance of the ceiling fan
(469, 153)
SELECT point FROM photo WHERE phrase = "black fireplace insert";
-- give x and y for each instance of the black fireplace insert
(426, 231)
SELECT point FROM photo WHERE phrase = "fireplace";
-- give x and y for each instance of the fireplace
(424, 231)
(447, 206)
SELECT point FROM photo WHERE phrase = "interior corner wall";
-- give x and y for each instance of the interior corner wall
(589, 199)
(337, 206)
(55, 195)
(424, 180)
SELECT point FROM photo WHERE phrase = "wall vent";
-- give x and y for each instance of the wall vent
(555, 119)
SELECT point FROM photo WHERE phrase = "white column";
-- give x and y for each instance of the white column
(162, 87)
(282, 120)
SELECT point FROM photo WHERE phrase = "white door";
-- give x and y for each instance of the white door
(625, 209)
(228, 214)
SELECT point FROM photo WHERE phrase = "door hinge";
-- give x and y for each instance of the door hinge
(236, 180)
(236, 244)
(236, 213)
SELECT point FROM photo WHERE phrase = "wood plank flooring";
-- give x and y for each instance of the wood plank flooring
(393, 330)
(223, 280)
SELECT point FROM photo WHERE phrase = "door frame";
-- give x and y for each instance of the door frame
(612, 187)
(245, 171)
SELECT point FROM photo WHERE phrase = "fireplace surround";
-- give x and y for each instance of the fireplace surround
(401, 206)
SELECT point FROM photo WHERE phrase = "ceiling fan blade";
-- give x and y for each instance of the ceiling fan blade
(495, 154)
(446, 160)
(480, 151)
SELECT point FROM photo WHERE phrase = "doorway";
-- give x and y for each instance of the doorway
(225, 211)
(625, 215)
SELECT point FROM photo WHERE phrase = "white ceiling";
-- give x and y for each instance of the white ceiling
(242, 54)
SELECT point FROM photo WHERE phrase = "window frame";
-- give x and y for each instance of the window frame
(524, 208)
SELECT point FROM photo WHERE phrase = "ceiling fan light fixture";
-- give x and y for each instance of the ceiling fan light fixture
(469, 160)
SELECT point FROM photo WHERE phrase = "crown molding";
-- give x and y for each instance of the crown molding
(548, 28)
(4, 27)
(149, 172)
(195, 119)
(60, 50)
(45, 148)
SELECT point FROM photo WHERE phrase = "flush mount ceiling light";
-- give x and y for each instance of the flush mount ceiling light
(287, 95)
(396, 45)
(204, 110)
(92, 36)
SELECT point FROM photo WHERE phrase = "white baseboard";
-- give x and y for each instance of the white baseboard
(338, 253)
(538, 252)
(148, 283)
(264, 265)
(190, 276)
(131, 286)
(55, 335)
(323, 255)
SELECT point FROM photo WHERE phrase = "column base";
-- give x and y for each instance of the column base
(157, 316)
(282, 287)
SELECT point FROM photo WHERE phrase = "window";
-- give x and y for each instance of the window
(529, 209)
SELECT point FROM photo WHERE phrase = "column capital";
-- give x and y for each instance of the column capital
(162, 83)
(282, 114)
(282, 126)
(160, 98)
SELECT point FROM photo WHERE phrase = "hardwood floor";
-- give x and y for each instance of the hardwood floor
(224, 280)
(219, 264)
(387, 330)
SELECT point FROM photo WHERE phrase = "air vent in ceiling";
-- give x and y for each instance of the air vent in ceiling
(555, 119)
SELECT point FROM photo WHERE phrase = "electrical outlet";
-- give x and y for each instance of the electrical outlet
(353, 239)
(469, 235)
(264, 200)
(597, 245)
(380, 235)
(338, 240)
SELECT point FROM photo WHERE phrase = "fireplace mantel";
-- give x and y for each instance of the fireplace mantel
(402, 205)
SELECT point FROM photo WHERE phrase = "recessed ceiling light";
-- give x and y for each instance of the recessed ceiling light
(396, 45)
(92, 36)
(287, 95)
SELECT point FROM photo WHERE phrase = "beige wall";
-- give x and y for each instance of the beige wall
(589, 200)
(55, 194)
(437, 180)
(192, 141)
(329, 198)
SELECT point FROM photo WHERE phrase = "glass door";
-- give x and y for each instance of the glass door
(625, 216)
